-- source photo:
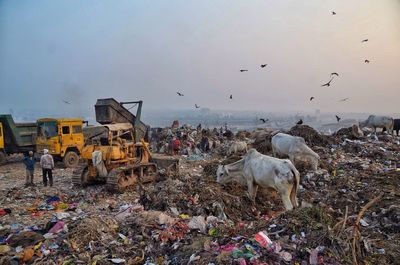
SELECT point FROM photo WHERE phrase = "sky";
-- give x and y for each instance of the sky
(78, 51)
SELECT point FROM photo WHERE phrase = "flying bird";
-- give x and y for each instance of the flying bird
(300, 122)
(243, 70)
(366, 61)
(311, 98)
(196, 106)
(329, 83)
(264, 120)
(333, 13)
(365, 40)
(66, 102)
(263, 65)
(338, 118)
(179, 94)
(230, 97)
(342, 100)
(334, 74)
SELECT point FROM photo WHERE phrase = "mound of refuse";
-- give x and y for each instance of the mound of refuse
(262, 141)
(311, 136)
(85, 231)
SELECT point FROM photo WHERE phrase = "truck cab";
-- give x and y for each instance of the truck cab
(62, 137)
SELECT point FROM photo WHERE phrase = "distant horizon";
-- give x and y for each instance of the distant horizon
(191, 113)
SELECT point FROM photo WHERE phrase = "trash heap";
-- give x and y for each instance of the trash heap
(349, 213)
(193, 143)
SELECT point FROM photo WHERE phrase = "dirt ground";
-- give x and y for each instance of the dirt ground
(349, 214)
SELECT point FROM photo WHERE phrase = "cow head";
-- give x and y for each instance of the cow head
(222, 174)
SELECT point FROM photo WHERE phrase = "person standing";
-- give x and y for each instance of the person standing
(29, 163)
(176, 146)
(47, 164)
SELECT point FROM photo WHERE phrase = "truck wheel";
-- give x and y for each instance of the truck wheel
(71, 159)
(2, 157)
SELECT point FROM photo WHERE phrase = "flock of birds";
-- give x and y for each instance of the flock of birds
(264, 120)
(327, 84)
(180, 94)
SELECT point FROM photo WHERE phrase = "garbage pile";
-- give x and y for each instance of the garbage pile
(349, 212)
(311, 136)
(193, 143)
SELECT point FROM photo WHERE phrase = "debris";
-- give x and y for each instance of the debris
(286, 256)
(263, 239)
(198, 223)
(25, 239)
(4, 249)
(117, 261)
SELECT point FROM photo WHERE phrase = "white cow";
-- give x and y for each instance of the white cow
(237, 147)
(295, 148)
(256, 169)
(379, 122)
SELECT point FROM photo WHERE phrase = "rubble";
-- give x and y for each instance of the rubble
(349, 210)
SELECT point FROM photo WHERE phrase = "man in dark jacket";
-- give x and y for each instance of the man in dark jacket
(29, 163)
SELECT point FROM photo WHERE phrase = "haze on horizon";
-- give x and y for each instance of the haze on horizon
(79, 51)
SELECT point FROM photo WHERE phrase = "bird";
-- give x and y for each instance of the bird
(179, 94)
(264, 120)
(311, 98)
(333, 13)
(230, 97)
(338, 118)
(66, 102)
(365, 40)
(366, 61)
(263, 65)
(342, 100)
(196, 106)
(243, 70)
(334, 74)
(300, 122)
(329, 83)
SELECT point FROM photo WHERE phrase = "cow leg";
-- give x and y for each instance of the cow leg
(292, 159)
(293, 197)
(255, 193)
(251, 191)
(285, 191)
(274, 151)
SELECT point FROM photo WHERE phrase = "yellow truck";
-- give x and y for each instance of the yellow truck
(62, 137)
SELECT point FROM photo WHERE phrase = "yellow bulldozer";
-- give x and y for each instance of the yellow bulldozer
(116, 152)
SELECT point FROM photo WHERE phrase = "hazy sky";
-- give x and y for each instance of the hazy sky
(82, 50)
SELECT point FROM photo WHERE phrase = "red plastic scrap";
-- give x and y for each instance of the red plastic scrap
(174, 232)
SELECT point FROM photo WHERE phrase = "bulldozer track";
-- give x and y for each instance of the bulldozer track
(77, 176)
(114, 176)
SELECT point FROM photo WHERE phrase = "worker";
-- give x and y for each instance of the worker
(176, 146)
(29, 163)
(47, 164)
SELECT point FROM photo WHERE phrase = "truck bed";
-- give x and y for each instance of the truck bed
(18, 137)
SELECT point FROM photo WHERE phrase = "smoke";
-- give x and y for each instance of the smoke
(73, 99)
